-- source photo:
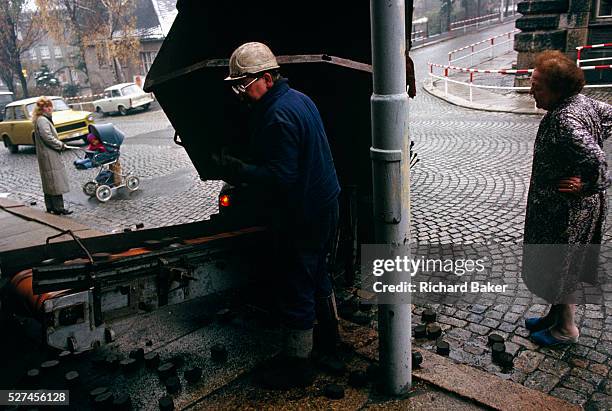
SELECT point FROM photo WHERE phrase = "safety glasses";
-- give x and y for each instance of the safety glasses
(242, 88)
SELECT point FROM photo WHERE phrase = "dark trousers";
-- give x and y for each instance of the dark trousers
(302, 273)
(54, 203)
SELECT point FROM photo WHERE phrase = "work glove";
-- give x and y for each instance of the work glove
(228, 165)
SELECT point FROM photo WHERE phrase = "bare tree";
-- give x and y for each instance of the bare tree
(108, 25)
(20, 30)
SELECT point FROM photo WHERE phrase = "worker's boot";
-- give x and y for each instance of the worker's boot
(327, 337)
(293, 367)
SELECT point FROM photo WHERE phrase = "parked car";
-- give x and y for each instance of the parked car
(17, 128)
(122, 98)
(5, 98)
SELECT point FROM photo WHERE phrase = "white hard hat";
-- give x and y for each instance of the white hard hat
(251, 58)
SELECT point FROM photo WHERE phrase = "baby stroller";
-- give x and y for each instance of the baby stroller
(109, 176)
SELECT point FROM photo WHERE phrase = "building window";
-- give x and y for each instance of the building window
(604, 8)
(33, 54)
(146, 59)
(57, 51)
(44, 53)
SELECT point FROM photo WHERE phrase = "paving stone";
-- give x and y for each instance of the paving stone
(590, 332)
(608, 387)
(600, 369)
(495, 315)
(478, 329)
(528, 361)
(524, 343)
(489, 322)
(587, 341)
(577, 384)
(604, 348)
(599, 401)
(568, 395)
(507, 327)
(512, 317)
(588, 376)
(597, 356)
(541, 381)
(523, 332)
(455, 322)
(554, 367)
(579, 362)
(475, 318)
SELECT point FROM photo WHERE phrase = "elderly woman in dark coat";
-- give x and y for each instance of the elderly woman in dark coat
(566, 206)
(49, 153)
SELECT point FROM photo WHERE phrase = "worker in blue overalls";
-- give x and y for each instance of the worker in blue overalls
(290, 159)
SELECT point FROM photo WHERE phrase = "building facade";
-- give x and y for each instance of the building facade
(154, 19)
(564, 25)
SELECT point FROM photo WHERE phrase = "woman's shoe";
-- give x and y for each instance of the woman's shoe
(534, 324)
(545, 338)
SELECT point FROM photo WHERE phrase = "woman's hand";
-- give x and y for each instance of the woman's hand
(570, 185)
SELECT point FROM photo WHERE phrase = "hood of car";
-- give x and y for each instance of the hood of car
(69, 116)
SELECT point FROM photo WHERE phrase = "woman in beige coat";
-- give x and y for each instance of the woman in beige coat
(49, 152)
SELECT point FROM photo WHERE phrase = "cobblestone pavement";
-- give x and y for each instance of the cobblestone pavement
(170, 192)
(470, 185)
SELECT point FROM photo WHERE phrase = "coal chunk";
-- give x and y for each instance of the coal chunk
(72, 378)
(358, 379)
(497, 349)
(104, 401)
(137, 354)
(442, 347)
(218, 353)
(128, 365)
(428, 316)
(122, 402)
(434, 332)
(495, 338)
(166, 403)
(173, 385)
(49, 365)
(97, 391)
(152, 359)
(420, 331)
(193, 375)
(334, 391)
(417, 359)
(505, 360)
(166, 370)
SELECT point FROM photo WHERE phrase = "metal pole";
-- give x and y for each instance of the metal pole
(391, 179)
(501, 11)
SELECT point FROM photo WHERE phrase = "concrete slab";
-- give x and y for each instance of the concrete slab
(6, 203)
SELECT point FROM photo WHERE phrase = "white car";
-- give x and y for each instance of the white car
(122, 98)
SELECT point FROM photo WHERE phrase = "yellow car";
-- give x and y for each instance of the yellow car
(17, 128)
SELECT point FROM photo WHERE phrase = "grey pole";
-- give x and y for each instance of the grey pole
(391, 179)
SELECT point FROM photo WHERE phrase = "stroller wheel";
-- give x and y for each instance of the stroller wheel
(132, 183)
(89, 188)
(104, 193)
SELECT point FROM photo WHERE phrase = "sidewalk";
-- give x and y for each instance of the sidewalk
(507, 101)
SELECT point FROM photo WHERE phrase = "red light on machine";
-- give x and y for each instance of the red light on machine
(224, 200)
